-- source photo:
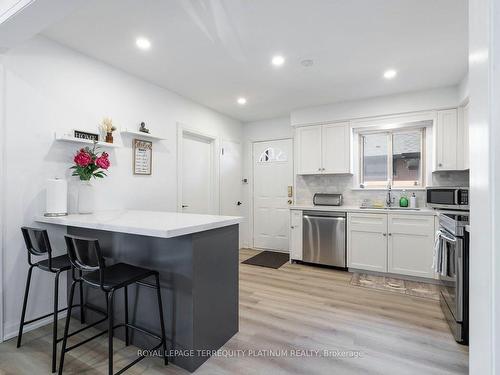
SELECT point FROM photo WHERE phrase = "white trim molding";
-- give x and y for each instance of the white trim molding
(2, 194)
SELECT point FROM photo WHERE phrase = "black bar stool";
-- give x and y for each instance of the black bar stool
(85, 255)
(38, 244)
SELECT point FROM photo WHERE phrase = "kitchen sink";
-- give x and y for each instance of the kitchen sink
(391, 208)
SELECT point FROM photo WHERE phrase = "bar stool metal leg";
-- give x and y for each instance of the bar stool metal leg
(82, 312)
(54, 325)
(127, 341)
(66, 326)
(25, 302)
(110, 331)
(162, 323)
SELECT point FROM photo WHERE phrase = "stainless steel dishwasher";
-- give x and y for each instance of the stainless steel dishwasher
(324, 238)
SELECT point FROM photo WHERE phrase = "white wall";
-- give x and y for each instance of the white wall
(484, 131)
(51, 88)
(278, 128)
(403, 103)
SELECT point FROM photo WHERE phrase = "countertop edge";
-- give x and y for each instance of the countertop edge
(422, 211)
(139, 231)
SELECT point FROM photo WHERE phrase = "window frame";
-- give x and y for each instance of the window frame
(390, 159)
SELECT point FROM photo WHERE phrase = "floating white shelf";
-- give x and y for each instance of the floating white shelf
(69, 138)
(141, 135)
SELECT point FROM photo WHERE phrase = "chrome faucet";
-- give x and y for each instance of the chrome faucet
(389, 200)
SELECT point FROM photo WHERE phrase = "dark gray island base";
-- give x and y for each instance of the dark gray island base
(199, 284)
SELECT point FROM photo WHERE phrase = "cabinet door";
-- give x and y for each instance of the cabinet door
(308, 140)
(367, 242)
(296, 235)
(411, 244)
(446, 138)
(335, 148)
(466, 136)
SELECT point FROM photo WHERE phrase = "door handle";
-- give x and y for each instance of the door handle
(184, 206)
(239, 203)
(289, 201)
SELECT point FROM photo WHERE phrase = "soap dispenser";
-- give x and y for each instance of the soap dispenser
(413, 201)
(403, 201)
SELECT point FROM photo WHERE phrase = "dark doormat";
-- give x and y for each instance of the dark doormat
(268, 259)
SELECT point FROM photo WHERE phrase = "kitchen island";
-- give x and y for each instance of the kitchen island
(197, 258)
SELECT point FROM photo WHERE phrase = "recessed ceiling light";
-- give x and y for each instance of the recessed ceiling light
(242, 101)
(390, 74)
(143, 43)
(278, 60)
(478, 56)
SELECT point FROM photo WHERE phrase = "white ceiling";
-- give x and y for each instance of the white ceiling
(214, 51)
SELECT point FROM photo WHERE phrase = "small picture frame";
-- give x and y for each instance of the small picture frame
(143, 156)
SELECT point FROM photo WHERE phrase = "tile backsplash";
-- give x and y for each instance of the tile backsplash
(307, 185)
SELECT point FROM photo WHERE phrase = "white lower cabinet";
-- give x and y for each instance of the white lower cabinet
(410, 245)
(394, 243)
(367, 242)
(296, 235)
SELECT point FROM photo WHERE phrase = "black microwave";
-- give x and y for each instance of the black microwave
(454, 198)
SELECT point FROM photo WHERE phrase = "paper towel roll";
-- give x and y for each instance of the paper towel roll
(57, 197)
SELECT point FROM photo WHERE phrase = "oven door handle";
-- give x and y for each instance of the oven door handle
(449, 239)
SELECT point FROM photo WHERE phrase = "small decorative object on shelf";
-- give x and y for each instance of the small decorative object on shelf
(88, 164)
(86, 135)
(108, 128)
(143, 128)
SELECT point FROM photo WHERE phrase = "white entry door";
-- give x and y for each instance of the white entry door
(273, 175)
(197, 174)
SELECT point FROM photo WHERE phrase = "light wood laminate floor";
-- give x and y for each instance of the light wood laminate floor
(292, 311)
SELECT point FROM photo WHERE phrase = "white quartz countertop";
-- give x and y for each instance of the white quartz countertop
(145, 223)
(421, 210)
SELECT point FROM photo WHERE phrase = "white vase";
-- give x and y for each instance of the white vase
(85, 198)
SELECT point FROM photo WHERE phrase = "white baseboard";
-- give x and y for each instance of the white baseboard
(12, 329)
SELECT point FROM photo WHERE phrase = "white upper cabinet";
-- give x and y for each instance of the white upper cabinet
(463, 124)
(323, 149)
(446, 141)
(335, 148)
(308, 150)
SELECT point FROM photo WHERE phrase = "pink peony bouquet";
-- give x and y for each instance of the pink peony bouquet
(88, 164)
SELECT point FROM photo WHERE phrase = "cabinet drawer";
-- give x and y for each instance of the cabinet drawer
(368, 222)
(411, 224)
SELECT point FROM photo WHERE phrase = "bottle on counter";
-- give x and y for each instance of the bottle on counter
(413, 201)
(403, 200)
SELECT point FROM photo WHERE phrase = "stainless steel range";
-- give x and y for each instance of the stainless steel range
(454, 272)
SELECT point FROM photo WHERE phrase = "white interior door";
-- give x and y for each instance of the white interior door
(273, 174)
(230, 179)
(197, 174)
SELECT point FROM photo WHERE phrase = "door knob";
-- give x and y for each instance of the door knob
(289, 201)
(239, 203)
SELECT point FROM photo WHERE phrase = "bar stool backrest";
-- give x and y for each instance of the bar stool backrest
(37, 243)
(85, 254)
